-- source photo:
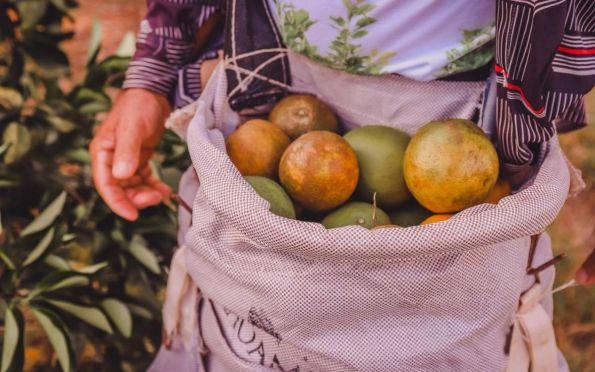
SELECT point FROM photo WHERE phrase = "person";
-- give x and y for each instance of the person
(543, 52)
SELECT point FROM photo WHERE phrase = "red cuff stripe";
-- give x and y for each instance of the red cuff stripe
(576, 51)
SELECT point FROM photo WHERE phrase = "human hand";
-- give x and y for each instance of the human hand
(586, 274)
(121, 149)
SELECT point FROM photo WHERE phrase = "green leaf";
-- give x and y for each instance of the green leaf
(60, 4)
(40, 248)
(107, 71)
(93, 108)
(90, 101)
(80, 155)
(46, 55)
(301, 16)
(363, 9)
(350, 7)
(74, 281)
(10, 98)
(359, 34)
(86, 95)
(4, 257)
(140, 311)
(144, 256)
(61, 124)
(47, 217)
(58, 280)
(94, 42)
(18, 138)
(68, 237)
(119, 314)
(57, 335)
(8, 183)
(56, 262)
(13, 340)
(3, 308)
(31, 11)
(93, 268)
(115, 64)
(88, 314)
(4, 147)
(365, 21)
(118, 236)
(127, 46)
(340, 21)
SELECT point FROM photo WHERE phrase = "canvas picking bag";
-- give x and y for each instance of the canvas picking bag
(424, 298)
(252, 291)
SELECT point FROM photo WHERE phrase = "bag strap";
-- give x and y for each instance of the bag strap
(256, 60)
(532, 345)
(533, 342)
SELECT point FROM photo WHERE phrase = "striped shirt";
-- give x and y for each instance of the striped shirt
(544, 60)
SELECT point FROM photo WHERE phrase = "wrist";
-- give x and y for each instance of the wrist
(146, 96)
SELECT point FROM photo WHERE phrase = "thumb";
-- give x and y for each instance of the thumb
(129, 140)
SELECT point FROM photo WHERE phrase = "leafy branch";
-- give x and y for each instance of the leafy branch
(345, 53)
(75, 280)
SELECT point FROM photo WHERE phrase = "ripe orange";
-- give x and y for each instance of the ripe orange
(501, 189)
(256, 148)
(436, 218)
(450, 165)
(319, 170)
(299, 114)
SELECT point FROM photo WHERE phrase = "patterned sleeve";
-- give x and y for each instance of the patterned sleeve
(545, 64)
(167, 42)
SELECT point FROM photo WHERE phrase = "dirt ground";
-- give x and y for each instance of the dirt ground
(573, 232)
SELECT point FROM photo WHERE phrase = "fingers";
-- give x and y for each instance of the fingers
(112, 193)
(128, 151)
(125, 197)
(159, 186)
(123, 144)
(143, 196)
(155, 183)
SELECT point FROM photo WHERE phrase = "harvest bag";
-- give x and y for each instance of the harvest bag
(436, 297)
(433, 297)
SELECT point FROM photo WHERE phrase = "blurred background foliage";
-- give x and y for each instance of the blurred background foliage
(81, 288)
(573, 232)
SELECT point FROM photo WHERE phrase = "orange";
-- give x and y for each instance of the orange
(436, 218)
(356, 213)
(299, 114)
(380, 151)
(256, 148)
(501, 189)
(450, 165)
(319, 170)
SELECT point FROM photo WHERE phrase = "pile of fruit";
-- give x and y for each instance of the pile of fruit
(372, 176)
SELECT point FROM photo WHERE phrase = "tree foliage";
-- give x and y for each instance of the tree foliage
(74, 278)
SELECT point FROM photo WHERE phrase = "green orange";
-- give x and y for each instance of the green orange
(356, 213)
(380, 151)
